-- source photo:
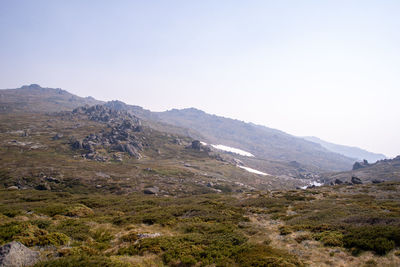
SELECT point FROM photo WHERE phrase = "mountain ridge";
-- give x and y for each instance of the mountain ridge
(264, 142)
(349, 151)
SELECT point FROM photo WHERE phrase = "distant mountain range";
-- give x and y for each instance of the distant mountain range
(348, 151)
(263, 142)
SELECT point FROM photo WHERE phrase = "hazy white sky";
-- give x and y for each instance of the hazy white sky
(323, 68)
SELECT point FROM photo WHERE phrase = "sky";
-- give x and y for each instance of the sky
(310, 68)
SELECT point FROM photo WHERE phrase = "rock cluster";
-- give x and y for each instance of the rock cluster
(359, 165)
(120, 137)
(197, 145)
(101, 113)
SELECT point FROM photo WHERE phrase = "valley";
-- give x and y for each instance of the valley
(89, 183)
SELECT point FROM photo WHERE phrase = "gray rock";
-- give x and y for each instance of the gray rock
(13, 187)
(376, 181)
(338, 181)
(196, 144)
(77, 144)
(356, 180)
(15, 254)
(43, 186)
(132, 151)
(359, 165)
(151, 190)
(57, 136)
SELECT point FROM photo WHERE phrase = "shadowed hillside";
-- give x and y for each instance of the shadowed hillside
(348, 151)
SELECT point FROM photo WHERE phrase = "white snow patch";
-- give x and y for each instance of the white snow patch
(252, 170)
(233, 150)
(311, 184)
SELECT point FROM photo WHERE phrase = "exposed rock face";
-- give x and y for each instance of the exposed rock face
(105, 114)
(338, 181)
(15, 254)
(356, 180)
(359, 165)
(121, 137)
(196, 145)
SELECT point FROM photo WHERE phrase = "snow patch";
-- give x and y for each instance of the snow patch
(315, 183)
(233, 150)
(252, 170)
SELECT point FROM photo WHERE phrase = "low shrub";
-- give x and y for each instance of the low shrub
(380, 239)
(330, 238)
(87, 261)
(285, 230)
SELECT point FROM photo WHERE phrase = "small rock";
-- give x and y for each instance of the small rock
(376, 181)
(13, 187)
(57, 136)
(15, 254)
(145, 235)
(151, 190)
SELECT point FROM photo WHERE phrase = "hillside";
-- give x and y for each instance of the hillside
(382, 170)
(348, 151)
(97, 185)
(34, 98)
(261, 141)
(265, 143)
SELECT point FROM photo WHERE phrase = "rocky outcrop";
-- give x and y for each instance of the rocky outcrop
(356, 180)
(338, 181)
(359, 165)
(121, 136)
(197, 145)
(101, 113)
(15, 254)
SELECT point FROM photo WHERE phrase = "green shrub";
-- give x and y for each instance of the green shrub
(10, 230)
(79, 210)
(52, 209)
(74, 228)
(84, 261)
(41, 223)
(259, 255)
(330, 238)
(285, 230)
(55, 239)
(380, 239)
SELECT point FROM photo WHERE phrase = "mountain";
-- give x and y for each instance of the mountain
(34, 98)
(263, 142)
(348, 151)
(110, 184)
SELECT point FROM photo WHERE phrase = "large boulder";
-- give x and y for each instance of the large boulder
(15, 254)
(196, 144)
(338, 181)
(356, 180)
